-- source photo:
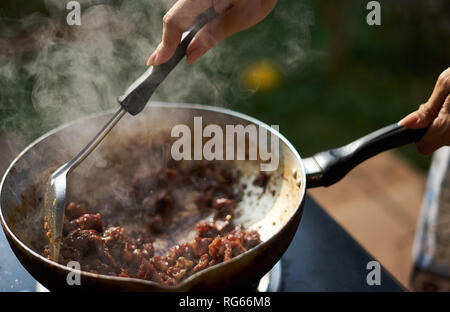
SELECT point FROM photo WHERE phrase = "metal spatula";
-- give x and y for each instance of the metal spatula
(133, 102)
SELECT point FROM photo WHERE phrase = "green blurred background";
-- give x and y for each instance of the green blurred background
(350, 79)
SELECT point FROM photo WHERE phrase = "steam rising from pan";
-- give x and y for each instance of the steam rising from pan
(74, 71)
(52, 73)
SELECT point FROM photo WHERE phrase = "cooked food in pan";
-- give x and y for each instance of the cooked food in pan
(148, 234)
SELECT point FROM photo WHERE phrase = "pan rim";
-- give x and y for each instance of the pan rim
(151, 104)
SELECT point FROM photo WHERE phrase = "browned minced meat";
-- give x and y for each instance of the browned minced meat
(261, 180)
(102, 248)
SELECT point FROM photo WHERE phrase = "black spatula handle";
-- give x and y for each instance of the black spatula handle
(139, 93)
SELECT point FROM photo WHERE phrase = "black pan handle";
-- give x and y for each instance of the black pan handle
(328, 167)
(139, 93)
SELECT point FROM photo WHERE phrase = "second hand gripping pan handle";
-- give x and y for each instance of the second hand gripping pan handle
(139, 93)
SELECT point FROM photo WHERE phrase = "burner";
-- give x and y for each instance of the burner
(40, 288)
(271, 282)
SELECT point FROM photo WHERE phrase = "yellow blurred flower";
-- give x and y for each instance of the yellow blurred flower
(262, 75)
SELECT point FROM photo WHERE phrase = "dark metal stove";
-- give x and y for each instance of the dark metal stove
(322, 257)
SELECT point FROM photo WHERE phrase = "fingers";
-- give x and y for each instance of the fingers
(240, 16)
(427, 112)
(175, 22)
(419, 119)
(435, 113)
(235, 16)
(439, 132)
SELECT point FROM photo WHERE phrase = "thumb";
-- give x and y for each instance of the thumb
(419, 119)
(223, 26)
(427, 112)
(240, 16)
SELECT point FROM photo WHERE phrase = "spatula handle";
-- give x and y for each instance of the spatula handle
(139, 93)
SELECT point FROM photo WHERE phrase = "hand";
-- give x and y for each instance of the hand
(235, 15)
(435, 113)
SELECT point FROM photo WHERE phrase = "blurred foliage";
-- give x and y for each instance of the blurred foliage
(353, 79)
(370, 76)
(15, 9)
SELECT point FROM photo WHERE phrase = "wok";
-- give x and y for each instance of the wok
(275, 213)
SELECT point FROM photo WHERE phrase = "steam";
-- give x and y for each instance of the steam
(75, 71)
(85, 74)
(52, 73)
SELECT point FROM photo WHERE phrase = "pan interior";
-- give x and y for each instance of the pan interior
(109, 170)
